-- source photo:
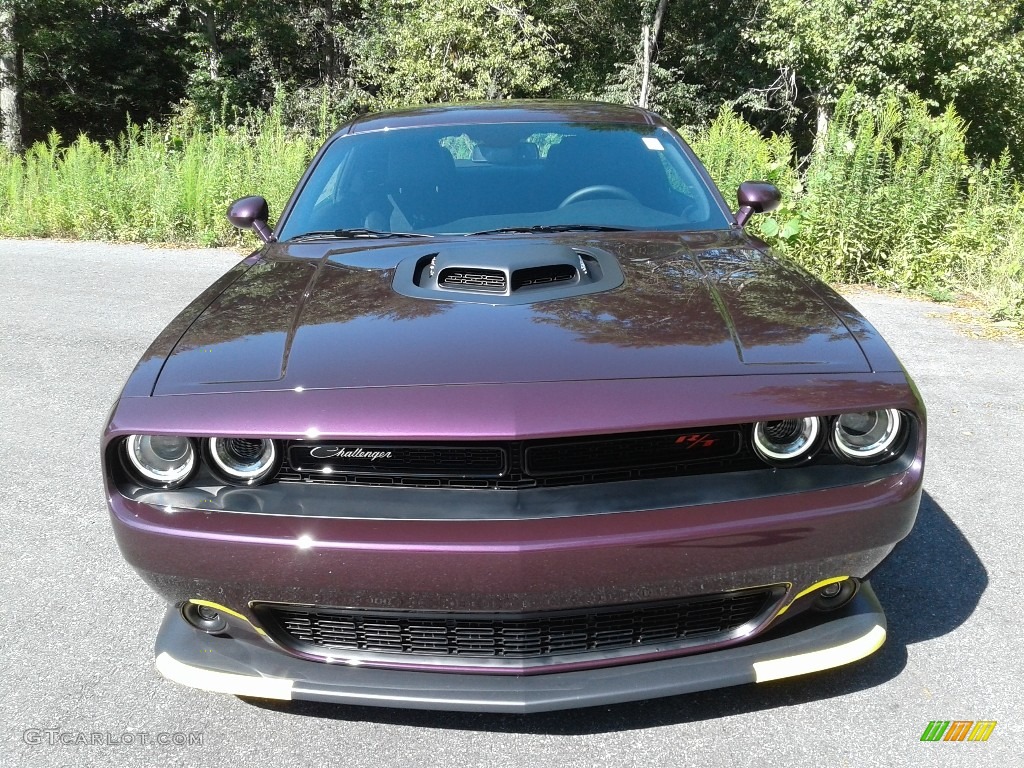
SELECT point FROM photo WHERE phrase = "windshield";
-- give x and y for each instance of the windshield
(482, 178)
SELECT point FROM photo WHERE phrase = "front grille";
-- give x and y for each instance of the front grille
(697, 620)
(521, 464)
(630, 452)
(398, 460)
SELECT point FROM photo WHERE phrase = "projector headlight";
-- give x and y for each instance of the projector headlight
(242, 460)
(787, 441)
(867, 437)
(165, 461)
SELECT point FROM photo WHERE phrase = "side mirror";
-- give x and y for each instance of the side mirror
(756, 197)
(251, 213)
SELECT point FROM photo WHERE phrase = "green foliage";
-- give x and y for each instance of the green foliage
(318, 111)
(600, 37)
(965, 53)
(151, 184)
(701, 57)
(891, 199)
(878, 197)
(733, 152)
(422, 51)
(832, 43)
(86, 66)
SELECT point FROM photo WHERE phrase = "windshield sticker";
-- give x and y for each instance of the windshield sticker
(653, 143)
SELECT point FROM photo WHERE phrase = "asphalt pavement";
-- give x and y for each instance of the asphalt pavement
(77, 681)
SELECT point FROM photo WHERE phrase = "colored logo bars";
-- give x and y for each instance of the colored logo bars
(958, 730)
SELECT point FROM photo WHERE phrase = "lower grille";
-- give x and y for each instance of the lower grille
(579, 635)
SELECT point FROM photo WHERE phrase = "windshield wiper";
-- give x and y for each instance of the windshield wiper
(351, 234)
(553, 228)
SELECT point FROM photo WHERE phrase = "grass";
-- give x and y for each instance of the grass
(891, 200)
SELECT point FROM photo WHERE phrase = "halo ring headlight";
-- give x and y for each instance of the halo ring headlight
(161, 460)
(787, 441)
(242, 460)
(867, 436)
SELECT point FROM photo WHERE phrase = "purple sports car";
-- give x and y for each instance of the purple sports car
(509, 413)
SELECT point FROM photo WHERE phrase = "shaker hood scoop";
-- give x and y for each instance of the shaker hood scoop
(659, 310)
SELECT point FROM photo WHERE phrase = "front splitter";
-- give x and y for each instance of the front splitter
(254, 668)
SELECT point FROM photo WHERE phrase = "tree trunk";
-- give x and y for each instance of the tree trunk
(331, 63)
(213, 55)
(10, 108)
(650, 33)
(645, 82)
(821, 129)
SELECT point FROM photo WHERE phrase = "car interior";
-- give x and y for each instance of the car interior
(477, 178)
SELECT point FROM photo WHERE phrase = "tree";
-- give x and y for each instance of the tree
(10, 80)
(649, 34)
(698, 59)
(965, 52)
(241, 56)
(90, 67)
(419, 51)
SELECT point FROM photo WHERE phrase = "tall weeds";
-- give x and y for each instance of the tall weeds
(153, 184)
(890, 198)
(733, 152)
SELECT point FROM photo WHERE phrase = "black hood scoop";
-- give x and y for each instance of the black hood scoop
(507, 273)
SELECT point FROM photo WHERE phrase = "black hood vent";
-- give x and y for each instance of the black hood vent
(470, 279)
(507, 273)
(536, 276)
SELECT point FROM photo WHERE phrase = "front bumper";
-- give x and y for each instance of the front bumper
(249, 666)
(652, 551)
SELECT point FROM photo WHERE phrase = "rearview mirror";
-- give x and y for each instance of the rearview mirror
(252, 213)
(756, 197)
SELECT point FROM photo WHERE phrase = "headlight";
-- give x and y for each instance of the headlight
(242, 460)
(788, 441)
(163, 460)
(867, 437)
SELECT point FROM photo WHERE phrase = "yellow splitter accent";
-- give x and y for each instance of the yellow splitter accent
(224, 682)
(801, 664)
(228, 611)
(813, 588)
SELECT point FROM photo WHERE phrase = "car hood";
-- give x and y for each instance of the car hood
(326, 315)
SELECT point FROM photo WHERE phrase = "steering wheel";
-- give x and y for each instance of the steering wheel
(598, 190)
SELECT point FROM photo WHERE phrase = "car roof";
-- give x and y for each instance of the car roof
(526, 111)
